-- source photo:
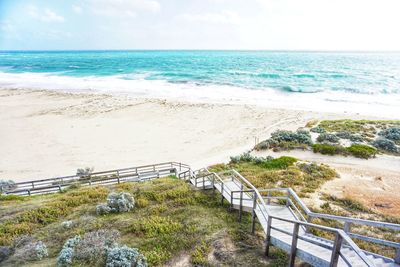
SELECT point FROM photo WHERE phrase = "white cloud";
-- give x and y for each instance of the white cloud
(123, 8)
(224, 17)
(47, 15)
(77, 9)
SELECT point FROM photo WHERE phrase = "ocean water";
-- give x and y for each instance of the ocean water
(366, 83)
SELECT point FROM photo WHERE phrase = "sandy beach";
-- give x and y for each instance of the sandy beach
(51, 133)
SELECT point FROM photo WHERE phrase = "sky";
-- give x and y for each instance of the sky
(200, 24)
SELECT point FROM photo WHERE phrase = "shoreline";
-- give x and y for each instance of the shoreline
(52, 133)
(382, 105)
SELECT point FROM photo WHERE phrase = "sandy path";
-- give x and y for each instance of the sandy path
(374, 182)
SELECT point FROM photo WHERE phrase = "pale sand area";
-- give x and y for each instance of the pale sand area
(48, 133)
(374, 182)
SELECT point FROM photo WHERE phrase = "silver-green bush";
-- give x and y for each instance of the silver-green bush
(6, 185)
(116, 202)
(391, 133)
(27, 249)
(385, 144)
(93, 246)
(65, 257)
(123, 256)
(329, 138)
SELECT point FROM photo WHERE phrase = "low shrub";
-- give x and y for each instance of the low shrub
(385, 144)
(279, 163)
(327, 137)
(28, 249)
(5, 252)
(301, 136)
(318, 129)
(67, 224)
(350, 136)
(311, 123)
(7, 185)
(142, 202)
(391, 133)
(327, 149)
(102, 209)
(282, 139)
(116, 202)
(154, 226)
(12, 198)
(83, 172)
(93, 246)
(362, 151)
(247, 157)
(64, 258)
(123, 256)
(199, 255)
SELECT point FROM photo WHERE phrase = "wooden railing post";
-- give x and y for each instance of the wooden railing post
(293, 248)
(33, 184)
(253, 213)
(346, 227)
(336, 250)
(231, 201)
(222, 193)
(269, 199)
(204, 185)
(397, 256)
(241, 204)
(268, 236)
(213, 183)
(118, 176)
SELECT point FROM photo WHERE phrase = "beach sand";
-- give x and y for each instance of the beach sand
(51, 133)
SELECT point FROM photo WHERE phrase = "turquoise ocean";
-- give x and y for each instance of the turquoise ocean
(329, 81)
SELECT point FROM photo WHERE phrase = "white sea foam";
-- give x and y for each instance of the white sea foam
(380, 105)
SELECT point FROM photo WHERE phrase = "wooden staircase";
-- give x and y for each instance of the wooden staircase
(285, 220)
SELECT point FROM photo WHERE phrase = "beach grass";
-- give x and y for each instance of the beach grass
(170, 222)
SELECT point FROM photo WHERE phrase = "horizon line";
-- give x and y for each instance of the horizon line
(220, 50)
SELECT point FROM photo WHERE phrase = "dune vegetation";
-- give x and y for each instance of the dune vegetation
(359, 138)
(169, 222)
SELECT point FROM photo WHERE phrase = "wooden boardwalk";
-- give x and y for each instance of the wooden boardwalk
(285, 226)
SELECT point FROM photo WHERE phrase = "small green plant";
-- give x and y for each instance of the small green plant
(362, 151)
(199, 255)
(279, 163)
(142, 202)
(155, 226)
(327, 149)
